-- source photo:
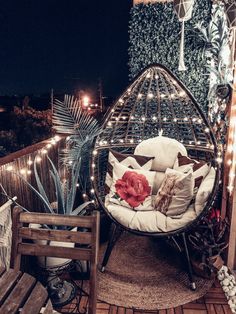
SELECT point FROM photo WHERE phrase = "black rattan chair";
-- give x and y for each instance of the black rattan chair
(156, 100)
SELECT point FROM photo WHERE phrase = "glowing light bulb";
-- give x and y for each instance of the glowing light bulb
(84, 195)
(93, 165)
(219, 160)
(207, 130)
(23, 171)
(164, 119)
(162, 95)
(172, 96)
(92, 178)
(77, 185)
(109, 123)
(143, 119)
(121, 141)
(140, 96)
(44, 151)
(148, 75)
(199, 121)
(29, 171)
(49, 145)
(38, 159)
(150, 95)
(156, 77)
(131, 141)
(68, 138)
(123, 117)
(9, 168)
(95, 152)
(57, 138)
(154, 118)
(194, 119)
(229, 162)
(92, 191)
(185, 119)
(29, 162)
(121, 101)
(175, 120)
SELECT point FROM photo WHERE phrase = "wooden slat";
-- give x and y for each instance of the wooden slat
(54, 251)
(162, 312)
(179, 310)
(219, 309)
(194, 306)
(129, 311)
(170, 311)
(18, 295)
(7, 281)
(227, 309)
(190, 311)
(113, 309)
(57, 220)
(36, 300)
(56, 235)
(215, 301)
(210, 309)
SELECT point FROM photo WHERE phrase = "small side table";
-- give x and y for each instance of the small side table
(22, 293)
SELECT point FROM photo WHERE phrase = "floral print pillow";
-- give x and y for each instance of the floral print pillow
(132, 188)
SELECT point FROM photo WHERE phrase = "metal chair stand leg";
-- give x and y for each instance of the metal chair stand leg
(116, 232)
(190, 271)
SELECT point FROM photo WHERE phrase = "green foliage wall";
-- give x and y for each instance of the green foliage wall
(154, 32)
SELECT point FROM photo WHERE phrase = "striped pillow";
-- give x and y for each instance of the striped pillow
(200, 168)
(128, 160)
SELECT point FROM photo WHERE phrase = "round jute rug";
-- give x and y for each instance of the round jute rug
(145, 274)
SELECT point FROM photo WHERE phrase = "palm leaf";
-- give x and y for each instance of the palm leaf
(80, 209)
(58, 186)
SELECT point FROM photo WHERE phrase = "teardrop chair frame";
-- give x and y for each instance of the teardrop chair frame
(117, 134)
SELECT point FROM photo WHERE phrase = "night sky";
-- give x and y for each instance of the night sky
(66, 45)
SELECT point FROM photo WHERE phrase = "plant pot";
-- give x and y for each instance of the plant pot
(208, 270)
(52, 262)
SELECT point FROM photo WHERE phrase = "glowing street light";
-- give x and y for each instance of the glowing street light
(85, 101)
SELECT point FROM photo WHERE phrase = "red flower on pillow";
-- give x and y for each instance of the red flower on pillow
(133, 188)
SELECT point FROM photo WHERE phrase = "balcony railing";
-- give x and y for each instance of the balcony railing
(21, 163)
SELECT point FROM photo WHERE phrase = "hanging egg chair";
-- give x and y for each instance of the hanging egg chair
(154, 114)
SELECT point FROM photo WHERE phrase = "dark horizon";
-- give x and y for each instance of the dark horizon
(64, 45)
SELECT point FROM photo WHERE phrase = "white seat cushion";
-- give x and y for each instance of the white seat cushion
(164, 149)
(149, 221)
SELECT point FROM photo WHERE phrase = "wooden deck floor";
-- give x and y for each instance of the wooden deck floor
(214, 302)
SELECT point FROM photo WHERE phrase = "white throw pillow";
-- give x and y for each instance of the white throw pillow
(204, 191)
(200, 168)
(129, 160)
(164, 149)
(159, 177)
(131, 188)
(175, 193)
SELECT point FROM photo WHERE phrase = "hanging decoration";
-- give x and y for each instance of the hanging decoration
(183, 9)
(230, 11)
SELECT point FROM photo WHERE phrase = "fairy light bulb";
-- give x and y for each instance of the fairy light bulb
(93, 165)
(194, 119)
(57, 138)
(121, 141)
(68, 138)
(131, 141)
(44, 151)
(219, 160)
(148, 75)
(29, 162)
(23, 171)
(92, 178)
(95, 152)
(109, 123)
(175, 120)
(123, 117)
(38, 159)
(162, 95)
(9, 168)
(207, 130)
(29, 171)
(172, 96)
(150, 95)
(164, 119)
(199, 121)
(53, 142)
(143, 118)
(229, 162)
(84, 195)
(185, 119)
(49, 145)
(140, 96)
(156, 77)
(121, 101)
(92, 191)
(154, 118)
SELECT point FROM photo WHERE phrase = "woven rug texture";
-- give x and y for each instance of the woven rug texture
(143, 273)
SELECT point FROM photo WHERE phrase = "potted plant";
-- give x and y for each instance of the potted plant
(208, 242)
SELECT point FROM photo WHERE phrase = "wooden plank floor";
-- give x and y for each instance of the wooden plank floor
(214, 302)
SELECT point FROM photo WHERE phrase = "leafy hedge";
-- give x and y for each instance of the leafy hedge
(154, 32)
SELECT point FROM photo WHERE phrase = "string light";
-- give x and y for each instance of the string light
(150, 95)
(29, 162)
(175, 120)
(57, 138)
(92, 191)
(38, 159)
(9, 168)
(131, 141)
(44, 151)
(29, 171)
(140, 96)
(77, 185)
(109, 123)
(95, 152)
(121, 101)
(23, 171)
(207, 130)
(143, 118)
(49, 145)
(185, 119)
(92, 178)
(154, 118)
(148, 75)
(164, 119)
